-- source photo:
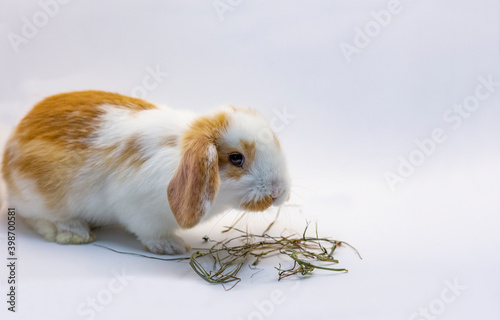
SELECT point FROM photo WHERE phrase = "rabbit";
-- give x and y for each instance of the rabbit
(87, 159)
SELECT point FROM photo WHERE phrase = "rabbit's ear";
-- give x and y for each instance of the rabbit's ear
(196, 181)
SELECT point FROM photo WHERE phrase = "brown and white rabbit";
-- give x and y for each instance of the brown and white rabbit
(93, 158)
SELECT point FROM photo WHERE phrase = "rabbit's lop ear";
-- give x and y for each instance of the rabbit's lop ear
(194, 185)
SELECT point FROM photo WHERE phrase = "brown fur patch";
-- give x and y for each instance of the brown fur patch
(131, 154)
(258, 205)
(169, 141)
(122, 156)
(196, 180)
(69, 118)
(50, 144)
(248, 151)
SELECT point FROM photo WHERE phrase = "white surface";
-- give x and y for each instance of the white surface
(353, 121)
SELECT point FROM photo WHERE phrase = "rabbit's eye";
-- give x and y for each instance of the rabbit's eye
(236, 159)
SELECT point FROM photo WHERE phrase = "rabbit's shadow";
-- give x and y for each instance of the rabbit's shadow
(115, 238)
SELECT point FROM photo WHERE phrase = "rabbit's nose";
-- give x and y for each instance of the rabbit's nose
(276, 193)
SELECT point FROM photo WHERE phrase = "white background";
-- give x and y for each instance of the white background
(357, 117)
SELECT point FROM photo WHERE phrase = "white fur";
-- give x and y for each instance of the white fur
(137, 198)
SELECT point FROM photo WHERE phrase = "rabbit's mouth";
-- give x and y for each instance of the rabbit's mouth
(258, 205)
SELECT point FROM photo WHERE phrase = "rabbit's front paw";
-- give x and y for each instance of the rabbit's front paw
(169, 245)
